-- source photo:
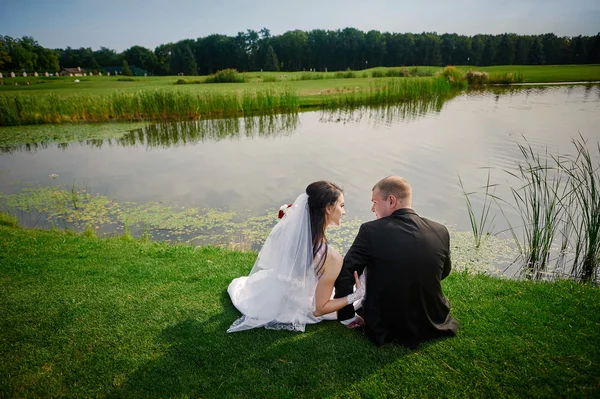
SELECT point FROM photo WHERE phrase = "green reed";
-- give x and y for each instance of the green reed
(539, 201)
(143, 105)
(479, 226)
(583, 210)
(390, 91)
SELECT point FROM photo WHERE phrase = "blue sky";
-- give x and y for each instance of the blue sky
(122, 24)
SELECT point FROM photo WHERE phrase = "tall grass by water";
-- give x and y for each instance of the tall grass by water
(391, 91)
(557, 198)
(480, 224)
(583, 210)
(144, 105)
(538, 201)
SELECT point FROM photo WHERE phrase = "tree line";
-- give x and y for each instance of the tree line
(317, 49)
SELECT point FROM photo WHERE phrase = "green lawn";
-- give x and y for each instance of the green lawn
(102, 85)
(121, 318)
(546, 73)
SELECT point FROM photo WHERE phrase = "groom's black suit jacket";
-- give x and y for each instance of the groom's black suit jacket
(406, 257)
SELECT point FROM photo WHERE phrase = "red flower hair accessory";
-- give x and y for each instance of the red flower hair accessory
(283, 210)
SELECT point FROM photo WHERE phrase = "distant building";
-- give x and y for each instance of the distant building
(72, 71)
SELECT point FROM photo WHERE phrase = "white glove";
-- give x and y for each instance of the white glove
(360, 290)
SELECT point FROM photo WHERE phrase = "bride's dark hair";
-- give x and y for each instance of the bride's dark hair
(320, 195)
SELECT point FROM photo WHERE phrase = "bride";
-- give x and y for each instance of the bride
(291, 283)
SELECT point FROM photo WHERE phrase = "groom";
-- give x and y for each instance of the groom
(406, 257)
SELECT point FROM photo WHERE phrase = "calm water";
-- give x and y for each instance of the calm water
(261, 163)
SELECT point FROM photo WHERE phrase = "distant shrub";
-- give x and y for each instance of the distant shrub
(127, 80)
(269, 78)
(347, 74)
(506, 78)
(420, 72)
(476, 78)
(454, 77)
(312, 76)
(183, 81)
(226, 76)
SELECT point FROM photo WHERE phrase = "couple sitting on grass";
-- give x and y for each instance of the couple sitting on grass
(388, 284)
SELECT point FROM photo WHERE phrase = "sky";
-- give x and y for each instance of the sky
(121, 24)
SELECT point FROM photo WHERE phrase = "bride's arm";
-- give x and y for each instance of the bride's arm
(323, 302)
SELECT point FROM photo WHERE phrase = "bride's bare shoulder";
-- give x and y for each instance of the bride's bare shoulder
(334, 259)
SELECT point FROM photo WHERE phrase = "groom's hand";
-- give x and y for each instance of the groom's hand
(357, 322)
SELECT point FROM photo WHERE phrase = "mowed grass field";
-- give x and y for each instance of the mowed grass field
(102, 85)
(86, 317)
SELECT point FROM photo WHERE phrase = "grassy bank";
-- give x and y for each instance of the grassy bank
(88, 317)
(103, 98)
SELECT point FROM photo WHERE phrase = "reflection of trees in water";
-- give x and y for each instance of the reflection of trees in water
(192, 132)
(386, 115)
(187, 132)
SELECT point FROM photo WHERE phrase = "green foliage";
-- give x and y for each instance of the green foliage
(272, 61)
(582, 209)
(557, 196)
(89, 231)
(269, 79)
(125, 70)
(454, 77)
(475, 78)
(505, 78)
(390, 72)
(127, 80)
(226, 76)
(144, 105)
(392, 91)
(7, 219)
(479, 226)
(313, 76)
(348, 74)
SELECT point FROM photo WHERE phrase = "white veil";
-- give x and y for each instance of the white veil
(279, 291)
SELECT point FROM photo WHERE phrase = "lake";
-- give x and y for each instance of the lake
(247, 168)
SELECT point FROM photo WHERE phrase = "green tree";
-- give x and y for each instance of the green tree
(489, 51)
(5, 59)
(477, 45)
(506, 50)
(125, 70)
(106, 57)
(188, 62)
(140, 57)
(536, 52)
(375, 48)
(578, 50)
(272, 62)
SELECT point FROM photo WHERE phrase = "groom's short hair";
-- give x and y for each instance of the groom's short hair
(394, 185)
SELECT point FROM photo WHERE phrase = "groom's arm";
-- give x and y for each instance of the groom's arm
(356, 259)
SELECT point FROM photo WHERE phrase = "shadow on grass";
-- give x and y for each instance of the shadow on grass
(202, 360)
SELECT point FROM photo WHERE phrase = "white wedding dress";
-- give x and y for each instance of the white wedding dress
(279, 292)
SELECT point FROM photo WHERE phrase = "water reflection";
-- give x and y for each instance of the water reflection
(167, 135)
(175, 134)
(385, 115)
